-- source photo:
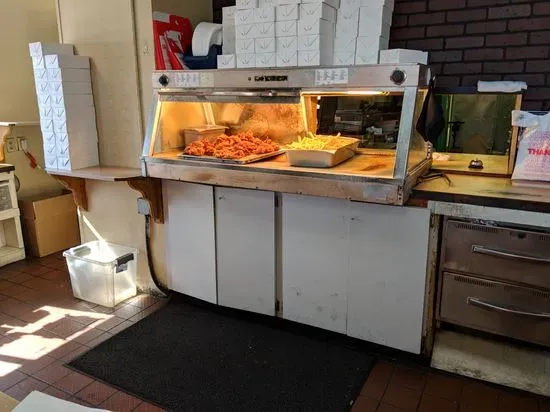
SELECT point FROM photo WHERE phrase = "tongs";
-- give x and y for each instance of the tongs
(436, 175)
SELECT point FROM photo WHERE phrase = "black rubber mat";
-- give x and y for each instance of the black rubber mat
(194, 357)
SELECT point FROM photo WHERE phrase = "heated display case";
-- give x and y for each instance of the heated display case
(378, 105)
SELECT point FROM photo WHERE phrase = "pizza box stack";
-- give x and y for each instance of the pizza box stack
(66, 105)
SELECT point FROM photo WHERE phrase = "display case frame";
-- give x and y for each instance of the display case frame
(280, 86)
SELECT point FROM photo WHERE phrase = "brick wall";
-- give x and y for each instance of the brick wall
(471, 40)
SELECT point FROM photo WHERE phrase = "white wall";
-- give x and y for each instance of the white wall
(22, 22)
(118, 37)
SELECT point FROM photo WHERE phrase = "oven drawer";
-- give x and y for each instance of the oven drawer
(500, 253)
(508, 310)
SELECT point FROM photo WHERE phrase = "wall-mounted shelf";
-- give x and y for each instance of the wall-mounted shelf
(149, 188)
(106, 174)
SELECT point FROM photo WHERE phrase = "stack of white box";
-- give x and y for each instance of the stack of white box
(287, 33)
(66, 105)
(362, 30)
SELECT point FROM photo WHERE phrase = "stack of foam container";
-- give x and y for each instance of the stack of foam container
(66, 106)
(289, 33)
(362, 30)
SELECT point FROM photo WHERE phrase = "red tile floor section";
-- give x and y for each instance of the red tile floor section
(42, 327)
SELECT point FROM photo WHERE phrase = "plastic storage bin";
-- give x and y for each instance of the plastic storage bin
(102, 272)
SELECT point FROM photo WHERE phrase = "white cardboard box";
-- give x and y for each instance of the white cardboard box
(315, 26)
(65, 88)
(317, 11)
(287, 59)
(229, 46)
(286, 28)
(315, 58)
(345, 44)
(333, 3)
(285, 2)
(245, 16)
(349, 5)
(38, 62)
(42, 87)
(368, 49)
(265, 3)
(40, 75)
(228, 14)
(265, 45)
(266, 60)
(227, 61)
(67, 62)
(287, 12)
(246, 31)
(84, 114)
(264, 14)
(49, 138)
(374, 15)
(403, 56)
(69, 75)
(45, 112)
(71, 100)
(344, 58)
(41, 49)
(347, 24)
(246, 60)
(74, 124)
(287, 44)
(314, 42)
(246, 4)
(264, 30)
(243, 46)
(50, 162)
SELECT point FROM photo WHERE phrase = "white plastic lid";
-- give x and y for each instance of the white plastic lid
(100, 252)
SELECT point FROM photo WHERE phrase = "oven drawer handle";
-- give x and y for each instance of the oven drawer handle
(482, 250)
(498, 308)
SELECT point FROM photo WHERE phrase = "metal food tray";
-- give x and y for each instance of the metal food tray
(242, 161)
(323, 158)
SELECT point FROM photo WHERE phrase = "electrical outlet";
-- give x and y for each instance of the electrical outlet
(22, 143)
(11, 145)
(143, 207)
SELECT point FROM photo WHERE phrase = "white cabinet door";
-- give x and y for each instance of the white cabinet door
(315, 261)
(190, 239)
(388, 258)
(245, 245)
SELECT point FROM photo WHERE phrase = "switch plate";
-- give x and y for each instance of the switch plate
(22, 143)
(143, 207)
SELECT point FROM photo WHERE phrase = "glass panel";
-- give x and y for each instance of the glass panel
(478, 128)
(419, 149)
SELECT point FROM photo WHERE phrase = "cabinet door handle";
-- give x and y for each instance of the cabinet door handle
(505, 309)
(482, 250)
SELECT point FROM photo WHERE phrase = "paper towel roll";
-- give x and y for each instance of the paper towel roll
(205, 35)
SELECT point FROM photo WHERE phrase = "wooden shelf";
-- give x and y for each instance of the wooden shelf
(149, 188)
(106, 174)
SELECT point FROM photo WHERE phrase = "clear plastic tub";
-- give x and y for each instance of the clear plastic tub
(102, 273)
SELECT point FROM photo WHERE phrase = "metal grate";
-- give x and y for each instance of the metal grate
(473, 281)
(486, 229)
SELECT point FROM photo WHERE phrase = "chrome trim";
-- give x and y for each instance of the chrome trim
(404, 139)
(482, 250)
(505, 309)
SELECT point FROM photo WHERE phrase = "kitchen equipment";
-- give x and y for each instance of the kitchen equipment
(193, 134)
(242, 161)
(323, 158)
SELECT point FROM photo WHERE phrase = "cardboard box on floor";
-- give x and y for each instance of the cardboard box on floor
(50, 224)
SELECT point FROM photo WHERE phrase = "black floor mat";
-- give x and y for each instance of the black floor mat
(193, 357)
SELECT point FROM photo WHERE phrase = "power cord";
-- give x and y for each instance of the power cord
(156, 281)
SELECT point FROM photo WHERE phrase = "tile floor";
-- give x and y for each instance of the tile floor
(42, 327)
(392, 387)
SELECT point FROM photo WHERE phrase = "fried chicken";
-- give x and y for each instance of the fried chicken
(232, 147)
